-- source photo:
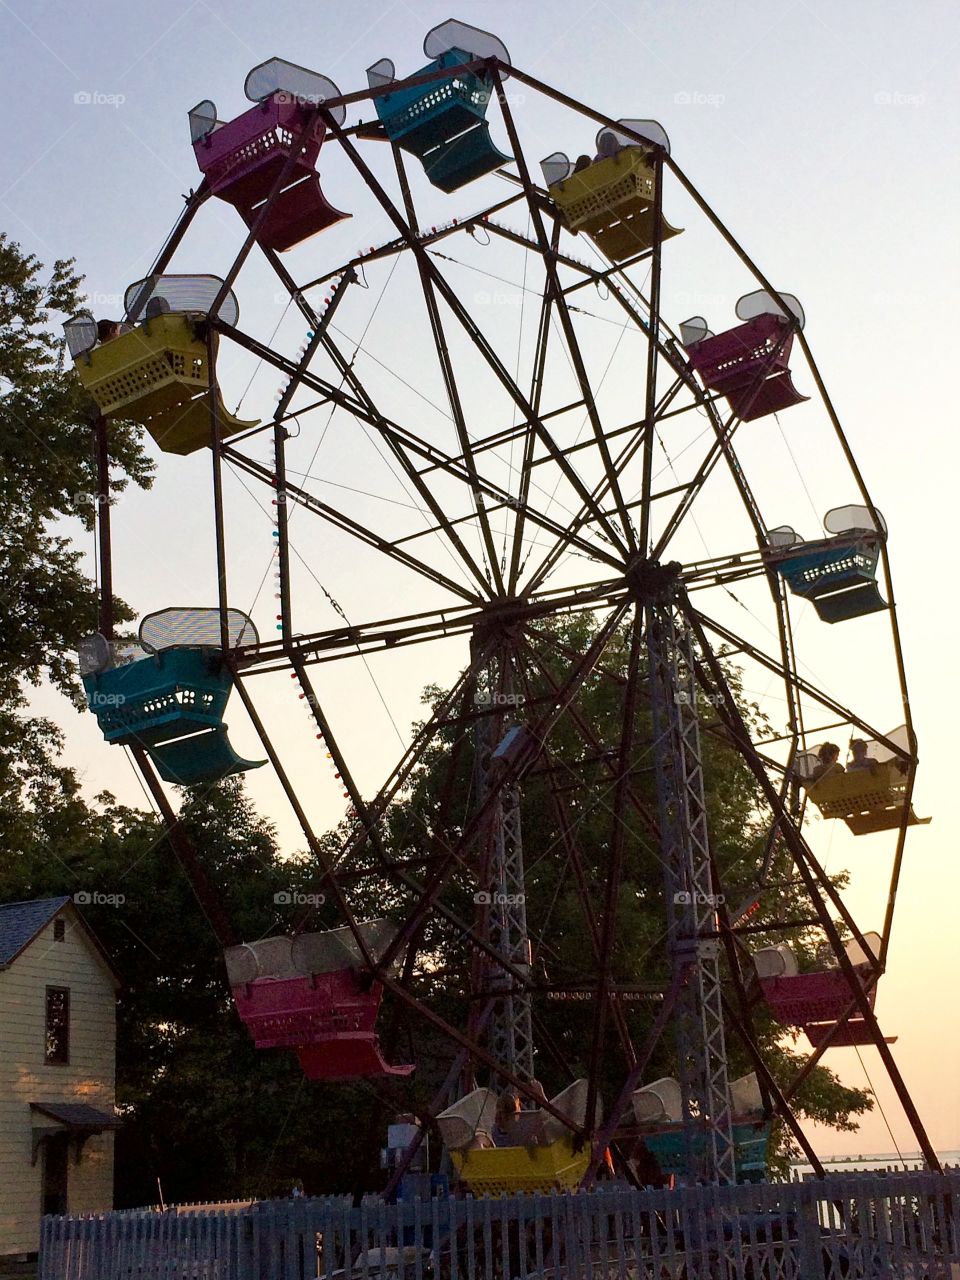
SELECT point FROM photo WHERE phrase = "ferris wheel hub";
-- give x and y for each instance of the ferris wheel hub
(649, 580)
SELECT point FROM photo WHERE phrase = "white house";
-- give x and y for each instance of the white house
(57, 1069)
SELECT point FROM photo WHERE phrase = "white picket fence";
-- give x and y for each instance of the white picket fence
(883, 1227)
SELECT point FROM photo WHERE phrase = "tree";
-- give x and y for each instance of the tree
(47, 475)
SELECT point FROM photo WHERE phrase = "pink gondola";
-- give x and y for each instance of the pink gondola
(313, 994)
(750, 364)
(810, 997)
(243, 158)
(817, 1001)
(329, 1020)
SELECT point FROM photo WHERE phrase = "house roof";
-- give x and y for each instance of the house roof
(20, 922)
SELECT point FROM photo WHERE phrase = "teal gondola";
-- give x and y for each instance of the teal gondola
(443, 123)
(839, 581)
(750, 1145)
(171, 703)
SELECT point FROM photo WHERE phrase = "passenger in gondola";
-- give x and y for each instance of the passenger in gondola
(537, 1088)
(859, 758)
(480, 1142)
(583, 162)
(156, 307)
(529, 1125)
(107, 330)
(608, 145)
(506, 1123)
(829, 761)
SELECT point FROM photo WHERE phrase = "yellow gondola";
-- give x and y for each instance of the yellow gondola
(870, 795)
(541, 1157)
(612, 201)
(495, 1171)
(866, 801)
(156, 372)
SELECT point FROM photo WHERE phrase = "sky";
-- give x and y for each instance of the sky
(823, 135)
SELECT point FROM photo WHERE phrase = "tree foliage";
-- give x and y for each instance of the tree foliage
(47, 477)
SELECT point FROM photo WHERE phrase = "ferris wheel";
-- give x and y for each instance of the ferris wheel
(567, 520)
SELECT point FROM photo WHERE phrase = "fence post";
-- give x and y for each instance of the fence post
(811, 1257)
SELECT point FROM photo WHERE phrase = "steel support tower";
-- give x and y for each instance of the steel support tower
(691, 904)
(502, 909)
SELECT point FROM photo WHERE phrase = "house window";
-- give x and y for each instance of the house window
(59, 930)
(57, 1039)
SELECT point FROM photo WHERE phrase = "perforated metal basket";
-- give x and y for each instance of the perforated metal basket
(495, 1171)
(152, 369)
(603, 186)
